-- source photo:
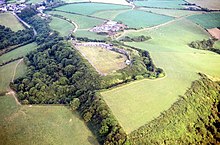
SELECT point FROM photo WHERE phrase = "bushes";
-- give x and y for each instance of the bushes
(135, 39)
(193, 119)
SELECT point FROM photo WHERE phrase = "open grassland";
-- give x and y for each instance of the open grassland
(208, 20)
(217, 44)
(121, 2)
(90, 35)
(103, 60)
(138, 19)
(109, 14)
(75, 1)
(9, 20)
(21, 51)
(171, 12)
(83, 22)
(7, 72)
(34, 1)
(90, 8)
(137, 103)
(40, 125)
(61, 26)
(210, 4)
(160, 3)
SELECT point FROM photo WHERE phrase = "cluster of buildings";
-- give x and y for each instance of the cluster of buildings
(108, 47)
(12, 7)
(108, 27)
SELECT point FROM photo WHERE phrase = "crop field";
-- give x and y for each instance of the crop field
(208, 21)
(9, 20)
(37, 124)
(160, 3)
(21, 51)
(213, 5)
(137, 103)
(132, 19)
(90, 8)
(61, 26)
(83, 22)
(171, 12)
(103, 60)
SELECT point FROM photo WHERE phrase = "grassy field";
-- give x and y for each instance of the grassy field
(103, 60)
(75, 1)
(9, 20)
(110, 15)
(217, 44)
(90, 35)
(137, 103)
(211, 4)
(40, 125)
(171, 12)
(90, 8)
(209, 20)
(83, 22)
(160, 3)
(34, 1)
(132, 19)
(61, 26)
(21, 51)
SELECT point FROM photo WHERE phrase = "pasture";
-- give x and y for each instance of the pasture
(160, 3)
(139, 102)
(63, 27)
(212, 4)
(208, 20)
(132, 19)
(37, 124)
(20, 51)
(75, 1)
(90, 35)
(170, 12)
(217, 44)
(83, 22)
(90, 8)
(9, 20)
(34, 1)
(110, 15)
(103, 60)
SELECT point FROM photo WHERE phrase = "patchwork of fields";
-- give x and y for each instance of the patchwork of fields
(137, 103)
(9, 20)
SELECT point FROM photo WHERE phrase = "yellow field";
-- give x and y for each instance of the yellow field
(9, 20)
(103, 60)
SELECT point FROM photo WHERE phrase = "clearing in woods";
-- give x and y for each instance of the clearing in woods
(9, 20)
(103, 60)
(137, 103)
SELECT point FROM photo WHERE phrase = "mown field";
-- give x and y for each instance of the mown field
(132, 19)
(83, 22)
(21, 51)
(137, 103)
(208, 20)
(103, 60)
(9, 20)
(160, 3)
(90, 8)
(40, 125)
(61, 26)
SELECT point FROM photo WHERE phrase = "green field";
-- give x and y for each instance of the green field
(75, 1)
(83, 22)
(9, 20)
(61, 26)
(103, 60)
(217, 44)
(208, 20)
(90, 8)
(171, 12)
(41, 125)
(110, 15)
(137, 103)
(132, 19)
(90, 35)
(160, 3)
(34, 1)
(20, 51)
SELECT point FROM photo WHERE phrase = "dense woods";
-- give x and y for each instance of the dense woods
(193, 119)
(10, 38)
(135, 39)
(205, 45)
